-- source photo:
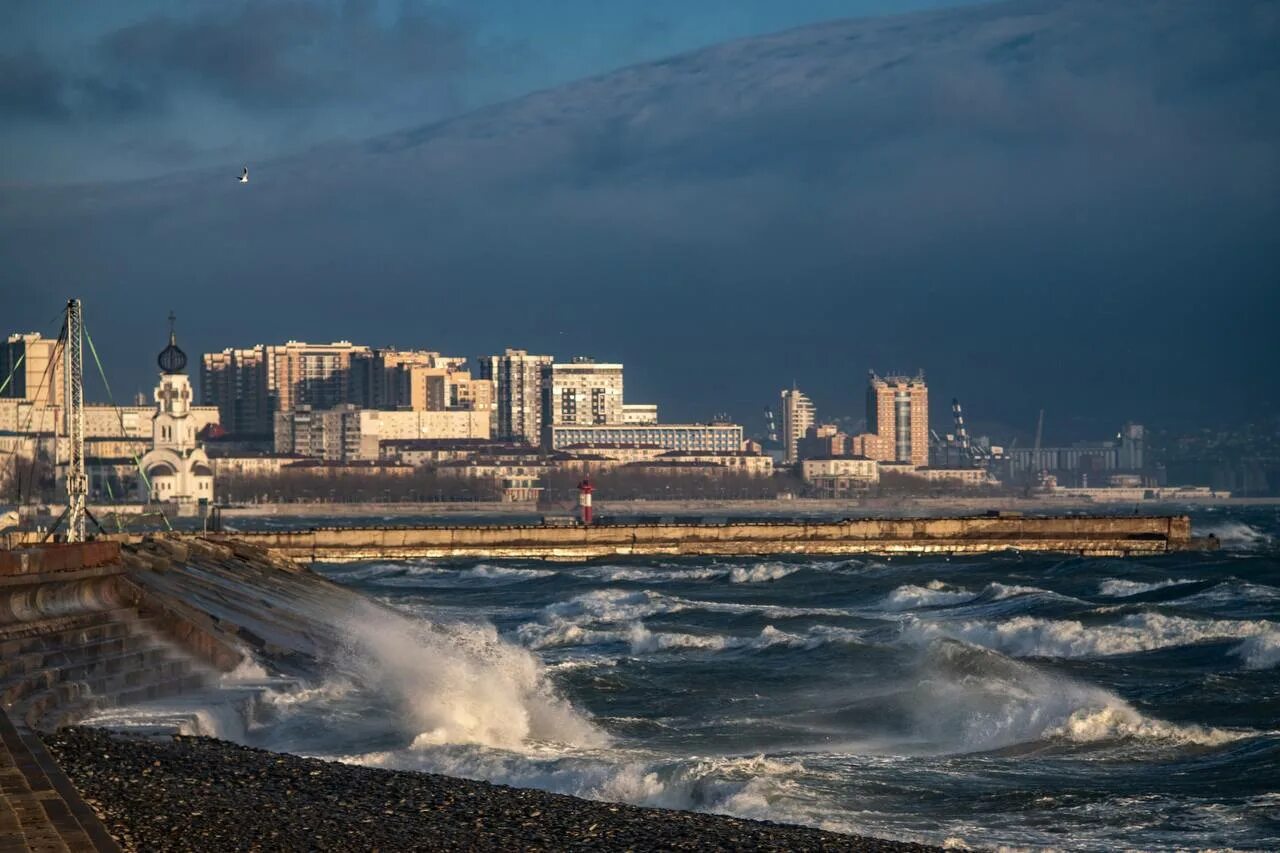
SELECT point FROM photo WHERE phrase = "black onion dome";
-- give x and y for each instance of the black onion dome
(172, 359)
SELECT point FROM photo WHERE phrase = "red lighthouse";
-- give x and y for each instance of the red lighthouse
(584, 500)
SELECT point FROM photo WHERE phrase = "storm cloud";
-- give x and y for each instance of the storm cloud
(1042, 203)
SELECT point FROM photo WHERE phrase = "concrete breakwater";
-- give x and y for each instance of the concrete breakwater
(1080, 535)
(103, 624)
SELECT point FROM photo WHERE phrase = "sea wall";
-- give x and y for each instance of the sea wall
(1115, 535)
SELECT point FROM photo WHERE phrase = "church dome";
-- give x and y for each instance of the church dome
(171, 358)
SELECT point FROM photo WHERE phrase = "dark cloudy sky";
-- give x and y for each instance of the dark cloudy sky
(1067, 204)
(140, 87)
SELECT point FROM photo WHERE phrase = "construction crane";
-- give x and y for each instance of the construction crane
(1039, 430)
(962, 435)
(975, 454)
(771, 424)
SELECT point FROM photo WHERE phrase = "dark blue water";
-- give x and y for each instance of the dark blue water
(1073, 703)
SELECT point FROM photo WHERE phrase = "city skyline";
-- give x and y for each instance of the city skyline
(729, 234)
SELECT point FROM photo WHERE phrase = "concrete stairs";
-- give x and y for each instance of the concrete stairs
(58, 671)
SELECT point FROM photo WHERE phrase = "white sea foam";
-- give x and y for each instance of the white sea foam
(934, 594)
(975, 700)
(485, 571)
(643, 640)
(459, 683)
(1259, 652)
(752, 786)
(1237, 536)
(1119, 588)
(1028, 636)
(653, 575)
(760, 572)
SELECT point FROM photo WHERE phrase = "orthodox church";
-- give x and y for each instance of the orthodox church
(176, 467)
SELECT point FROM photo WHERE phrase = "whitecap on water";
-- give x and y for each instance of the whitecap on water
(761, 572)
(1119, 588)
(1029, 636)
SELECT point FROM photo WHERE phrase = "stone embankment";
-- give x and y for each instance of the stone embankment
(104, 624)
(1092, 536)
(198, 794)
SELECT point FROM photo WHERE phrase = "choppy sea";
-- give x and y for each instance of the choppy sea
(1005, 700)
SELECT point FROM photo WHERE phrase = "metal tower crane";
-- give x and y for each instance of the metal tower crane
(73, 399)
(962, 435)
(771, 424)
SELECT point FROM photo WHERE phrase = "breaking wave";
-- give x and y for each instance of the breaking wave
(933, 594)
(1118, 588)
(459, 683)
(973, 699)
(1028, 636)
(760, 572)
(1238, 536)
(1259, 652)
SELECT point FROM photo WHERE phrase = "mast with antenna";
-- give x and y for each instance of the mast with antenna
(73, 406)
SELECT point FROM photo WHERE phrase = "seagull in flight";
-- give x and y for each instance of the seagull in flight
(244, 177)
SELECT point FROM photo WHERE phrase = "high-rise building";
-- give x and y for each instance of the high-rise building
(315, 375)
(27, 357)
(581, 392)
(517, 387)
(383, 378)
(898, 416)
(249, 386)
(444, 389)
(235, 380)
(797, 416)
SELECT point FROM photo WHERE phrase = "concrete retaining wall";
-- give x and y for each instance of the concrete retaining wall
(1116, 535)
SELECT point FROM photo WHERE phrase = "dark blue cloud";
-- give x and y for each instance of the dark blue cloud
(1061, 204)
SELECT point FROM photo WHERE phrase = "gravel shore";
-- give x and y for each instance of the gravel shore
(187, 793)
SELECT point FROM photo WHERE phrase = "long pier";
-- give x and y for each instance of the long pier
(1116, 536)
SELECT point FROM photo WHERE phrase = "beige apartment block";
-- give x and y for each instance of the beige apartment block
(963, 476)
(582, 392)
(858, 468)
(347, 433)
(517, 387)
(898, 412)
(25, 360)
(639, 413)
(798, 414)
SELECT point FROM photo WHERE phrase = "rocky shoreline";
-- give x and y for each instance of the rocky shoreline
(187, 793)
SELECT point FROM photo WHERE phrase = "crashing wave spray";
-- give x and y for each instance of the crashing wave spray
(459, 683)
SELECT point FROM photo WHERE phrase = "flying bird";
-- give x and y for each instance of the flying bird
(244, 177)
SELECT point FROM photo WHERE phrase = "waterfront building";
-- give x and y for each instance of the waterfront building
(443, 389)
(25, 360)
(517, 388)
(840, 477)
(639, 413)
(598, 438)
(249, 386)
(348, 433)
(798, 414)
(962, 476)
(385, 378)
(581, 392)
(176, 467)
(235, 381)
(823, 442)
(897, 419)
